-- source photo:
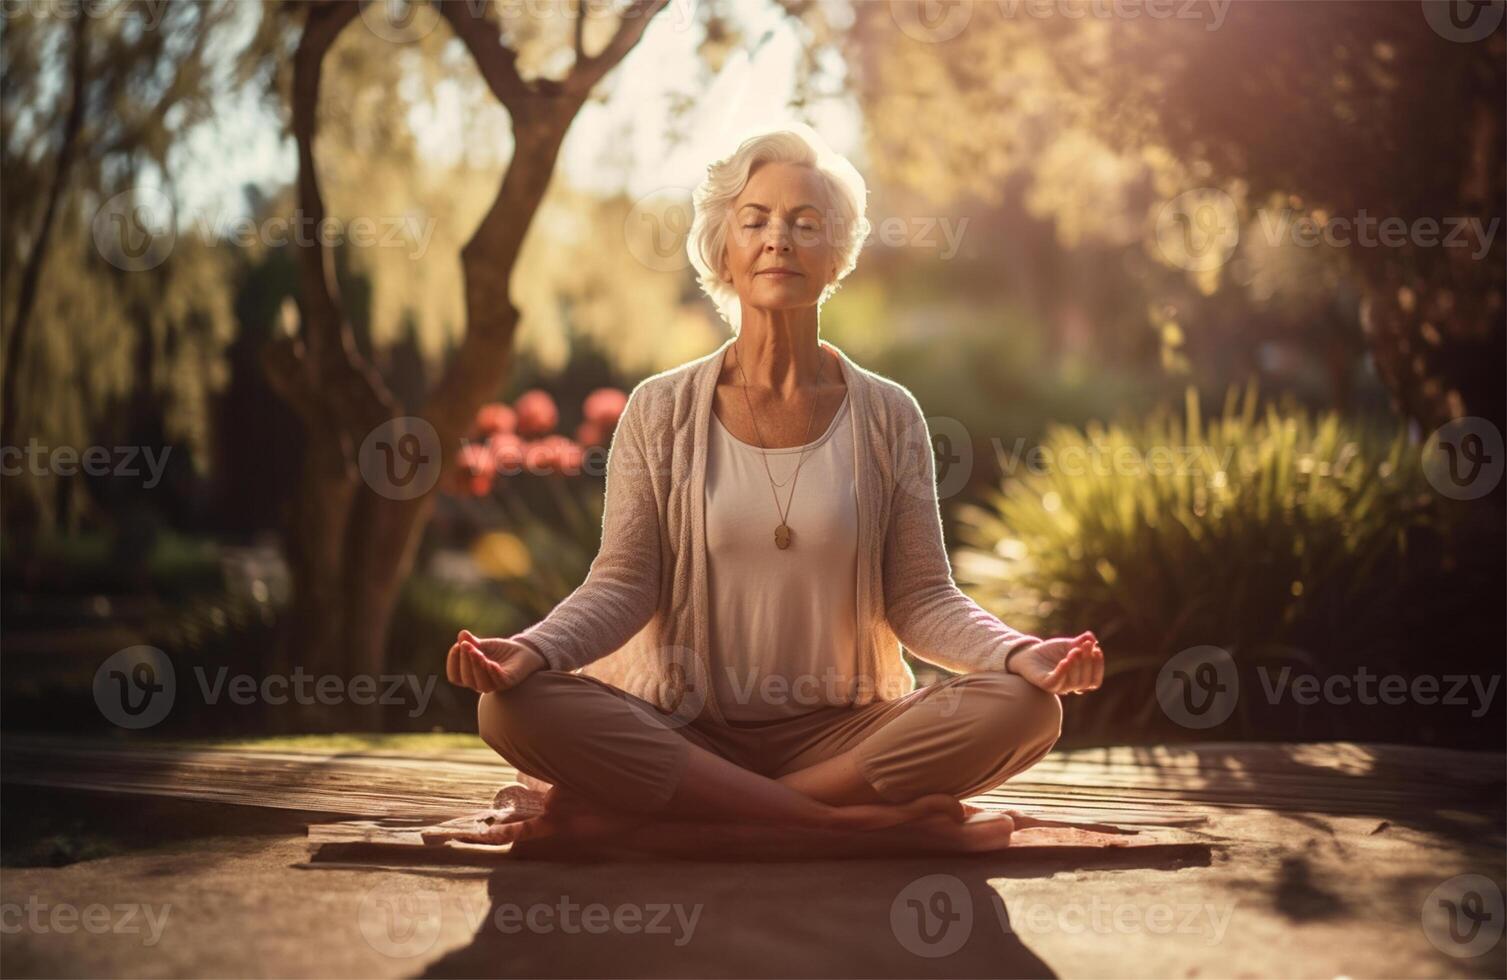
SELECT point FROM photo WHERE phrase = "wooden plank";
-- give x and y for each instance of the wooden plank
(1153, 784)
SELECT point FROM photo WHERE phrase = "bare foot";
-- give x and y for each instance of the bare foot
(562, 813)
(976, 832)
(878, 816)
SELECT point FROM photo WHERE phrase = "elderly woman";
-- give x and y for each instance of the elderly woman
(755, 581)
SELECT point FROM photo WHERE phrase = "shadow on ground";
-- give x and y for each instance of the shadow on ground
(919, 917)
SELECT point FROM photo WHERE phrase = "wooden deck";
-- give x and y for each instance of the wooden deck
(1316, 861)
(1154, 785)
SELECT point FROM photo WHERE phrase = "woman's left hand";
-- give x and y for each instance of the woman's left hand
(1063, 665)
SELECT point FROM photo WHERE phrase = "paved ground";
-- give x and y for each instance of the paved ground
(1351, 873)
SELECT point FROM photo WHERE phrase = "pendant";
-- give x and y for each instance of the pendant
(782, 536)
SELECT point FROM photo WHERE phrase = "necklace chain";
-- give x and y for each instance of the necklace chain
(763, 453)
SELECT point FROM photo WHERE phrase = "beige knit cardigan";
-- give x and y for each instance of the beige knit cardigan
(640, 619)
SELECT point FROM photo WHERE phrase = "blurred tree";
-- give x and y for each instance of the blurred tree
(350, 547)
(88, 104)
(1294, 110)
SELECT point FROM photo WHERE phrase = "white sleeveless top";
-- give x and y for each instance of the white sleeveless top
(783, 621)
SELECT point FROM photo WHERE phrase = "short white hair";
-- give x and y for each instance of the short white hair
(847, 198)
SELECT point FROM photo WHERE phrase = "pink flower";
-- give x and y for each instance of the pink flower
(495, 417)
(537, 413)
(553, 454)
(604, 406)
(570, 457)
(591, 433)
(507, 453)
(538, 456)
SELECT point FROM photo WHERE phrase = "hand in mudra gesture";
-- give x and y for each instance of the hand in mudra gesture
(1063, 665)
(487, 665)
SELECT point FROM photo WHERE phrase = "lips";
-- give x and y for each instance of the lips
(777, 272)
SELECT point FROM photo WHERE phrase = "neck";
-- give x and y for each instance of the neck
(778, 353)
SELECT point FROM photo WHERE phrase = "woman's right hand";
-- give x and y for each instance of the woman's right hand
(488, 665)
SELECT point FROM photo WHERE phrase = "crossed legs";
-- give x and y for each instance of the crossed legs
(870, 768)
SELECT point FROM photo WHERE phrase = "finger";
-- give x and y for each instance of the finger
(464, 668)
(495, 647)
(1078, 673)
(452, 671)
(1063, 669)
(1086, 670)
(1097, 660)
(488, 667)
(486, 683)
(497, 671)
(1058, 678)
(491, 651)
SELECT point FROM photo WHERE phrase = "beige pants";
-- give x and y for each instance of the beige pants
(960, 736)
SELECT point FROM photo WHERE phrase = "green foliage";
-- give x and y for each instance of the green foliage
(156, 561)
(1272, 534)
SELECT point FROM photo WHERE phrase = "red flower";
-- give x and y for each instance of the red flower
(552, 454)
(507, 453)
(538, 457)
(570, 457)
(537, 413)
(495, 417)
(604, 406)
(591, 433)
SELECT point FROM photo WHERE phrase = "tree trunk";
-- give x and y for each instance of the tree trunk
(19, 522)
(349, 546)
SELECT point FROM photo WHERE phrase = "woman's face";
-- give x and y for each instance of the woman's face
(781, 221)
